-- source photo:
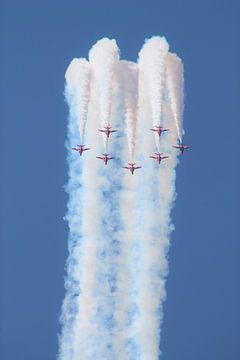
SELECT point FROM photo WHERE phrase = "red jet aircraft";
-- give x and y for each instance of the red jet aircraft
(105, 158)
(107, 130)
(159, 129)
(158, 157)
(181, 147)
(80, 149)
(131, 167)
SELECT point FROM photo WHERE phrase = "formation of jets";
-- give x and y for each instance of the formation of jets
(158, 157)
(159, 130)
(80, 149)
(181, 147)
(107, 130)
(105, 158)
(131, 166)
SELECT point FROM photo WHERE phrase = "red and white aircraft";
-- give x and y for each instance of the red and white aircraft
(107, 130)
(80, 149)
(181, 147)
(159, 129)
(105, 158)
(158, 157)
(131, 167)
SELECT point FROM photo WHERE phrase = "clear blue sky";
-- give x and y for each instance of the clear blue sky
(38, 40)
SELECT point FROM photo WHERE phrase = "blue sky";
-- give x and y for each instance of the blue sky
(38, 40)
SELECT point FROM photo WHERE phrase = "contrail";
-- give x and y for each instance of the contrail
(84, 222)
(88, 305)
(175, 85)
(104, 57)
(152, 195)
(78, 80)
(152, 58)
(129, 78)
(119, 224)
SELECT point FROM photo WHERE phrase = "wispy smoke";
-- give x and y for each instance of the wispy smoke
(152, 63)
(104, 57)
(78, 76)
(128, 75)
(175, 85)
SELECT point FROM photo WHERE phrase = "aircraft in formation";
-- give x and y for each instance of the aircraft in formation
(158, 156)
(105, 158)
(159, 130)
(181, 147)
(132, 167)
(80, 149)
(107, 130)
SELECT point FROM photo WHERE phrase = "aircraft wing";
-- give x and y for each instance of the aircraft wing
(137, 167)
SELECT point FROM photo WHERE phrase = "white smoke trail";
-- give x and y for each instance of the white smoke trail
(151, 196)
(87, 313)
(119, 224)
(108, 249)
(104, 57)
(78, 77)
(85, 327)
(175, 85)
(152, 63)
(155, 196)
(83, 217)
(129, 83)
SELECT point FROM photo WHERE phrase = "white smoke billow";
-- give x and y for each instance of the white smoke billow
(119, 224)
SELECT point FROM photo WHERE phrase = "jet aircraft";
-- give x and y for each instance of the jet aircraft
(159, 130)
(158, 157)
(107, 130)
(132, 167)
(105, 158)
(181, 147)
(80, 149)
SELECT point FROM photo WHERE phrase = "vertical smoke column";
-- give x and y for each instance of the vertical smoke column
(78, 310)
(104, 57)
(175, 85)
(153, 57)
(129, 86)
(78, 82)
(154, 199)
(128, 83)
